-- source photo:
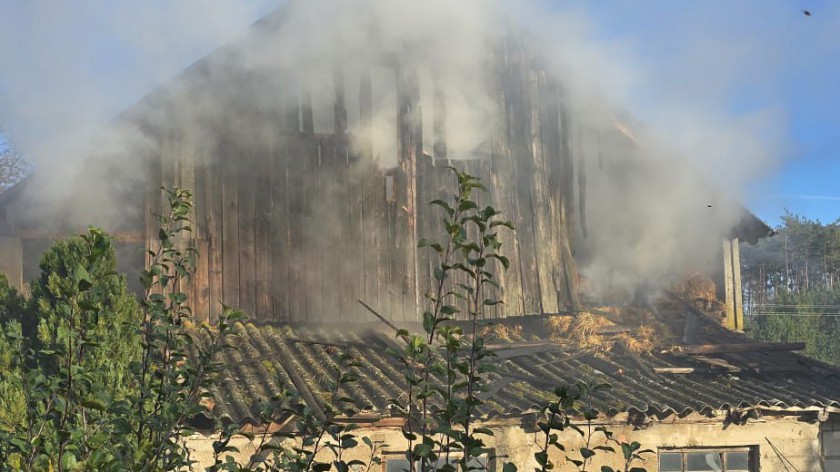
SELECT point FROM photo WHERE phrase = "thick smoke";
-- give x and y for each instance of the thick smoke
(658, 196)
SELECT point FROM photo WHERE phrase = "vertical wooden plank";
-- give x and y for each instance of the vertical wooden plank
(554, 194)
(439, 122)
(321, 231)
(409, 142)
(489, 199)
(365, 116)
(200, 282)
(280, 257)
(186, 171)
(503, 180)
(347, 235)
(356, 274)
(738, 308)
(230, 223)
(305, 270)
(369, 224)
(728, 284)
(262, 228)
(425, 182)
(247, 216)
(340, 115)
(380, 251)
(152, 204)
(200, 192)
(186, 179)
(523, 168)
(562, 188)
(545, 242)
(391, 278)
(291, 105)
(296, 164)
(307, 120)
(214, 209)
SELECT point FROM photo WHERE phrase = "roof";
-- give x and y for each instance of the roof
(300, 358)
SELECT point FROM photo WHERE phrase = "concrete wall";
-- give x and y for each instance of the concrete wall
(794, 443)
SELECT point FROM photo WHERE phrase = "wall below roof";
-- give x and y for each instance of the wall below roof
(794, 443)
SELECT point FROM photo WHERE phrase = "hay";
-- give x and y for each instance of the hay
(696, 287)
(582, 329)
(501, 332)
(639, 340)
(586, 330)
(557, 326)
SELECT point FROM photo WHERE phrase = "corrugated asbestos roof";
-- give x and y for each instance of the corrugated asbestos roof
(275, 357)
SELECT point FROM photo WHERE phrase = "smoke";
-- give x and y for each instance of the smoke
(658, 190)
(67, 70)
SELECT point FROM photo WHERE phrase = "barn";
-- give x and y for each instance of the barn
(302, 206)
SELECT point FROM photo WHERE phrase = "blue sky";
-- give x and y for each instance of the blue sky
(766, 55)
(737, 60)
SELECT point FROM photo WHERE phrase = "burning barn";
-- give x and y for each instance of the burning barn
(312, 170)
(312, 183)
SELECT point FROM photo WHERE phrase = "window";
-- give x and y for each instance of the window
(703, 460)
(830, 440)
(398, 463)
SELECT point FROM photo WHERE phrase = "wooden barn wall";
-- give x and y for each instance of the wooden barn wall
(294, 227)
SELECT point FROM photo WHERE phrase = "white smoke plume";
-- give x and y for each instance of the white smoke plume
(658, 187)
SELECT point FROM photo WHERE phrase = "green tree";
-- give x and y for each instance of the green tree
(791, 288)
(112, 329)
(104, 382)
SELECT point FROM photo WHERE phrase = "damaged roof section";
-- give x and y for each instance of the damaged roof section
(658, 379)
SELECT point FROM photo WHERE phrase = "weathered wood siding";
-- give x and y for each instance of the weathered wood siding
(295, 225)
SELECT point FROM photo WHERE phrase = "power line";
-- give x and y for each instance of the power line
(794, 315)
(795, 306)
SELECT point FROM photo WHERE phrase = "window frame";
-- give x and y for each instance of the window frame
(391, 455)
(824, 456)
(752, 454)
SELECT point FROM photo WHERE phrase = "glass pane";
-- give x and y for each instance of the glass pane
(397, 465)
(440, 462)
(737, 461)
(477, 464)
(702, 461)
(670, 462)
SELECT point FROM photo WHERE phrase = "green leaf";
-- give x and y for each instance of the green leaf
(82, 278)
(428, 322)
(466, 205)
(443, 205)
(94, 404)
(626, 450)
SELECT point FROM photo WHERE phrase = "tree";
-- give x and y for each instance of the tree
(790, 286)
(98, 380)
